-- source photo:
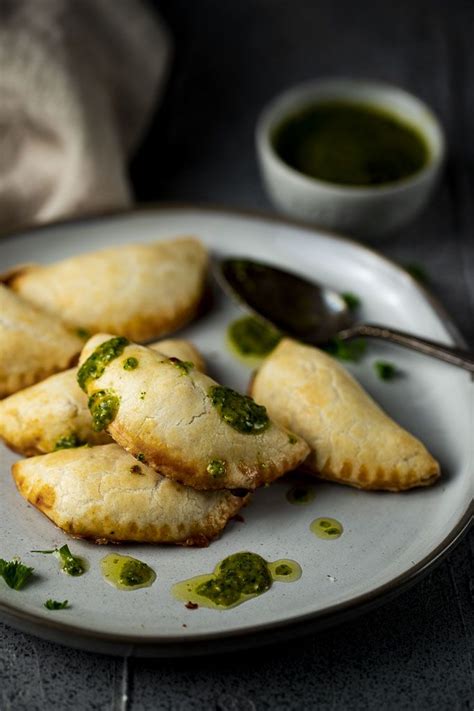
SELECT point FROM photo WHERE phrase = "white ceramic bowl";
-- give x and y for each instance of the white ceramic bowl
(363, 211)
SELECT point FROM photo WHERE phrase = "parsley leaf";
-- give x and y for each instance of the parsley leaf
(385, 370)
(352, 301)
(14, 573)
(55, 605)
(70, 564)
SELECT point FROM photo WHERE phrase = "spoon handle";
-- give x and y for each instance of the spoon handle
(454, 356)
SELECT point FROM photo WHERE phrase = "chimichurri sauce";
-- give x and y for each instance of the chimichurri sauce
(216, 468)
(127, 573)
(251, 338)
(103, 406)
(183, 365)
(237, 578)
(69, 441)
(94, 366)
(239, 411)
(350, 144)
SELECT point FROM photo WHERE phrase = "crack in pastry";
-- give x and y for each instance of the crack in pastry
(53, 414)
(33, 344)
(180, 425)
(352, 440)
(140, 291)
(102, 494)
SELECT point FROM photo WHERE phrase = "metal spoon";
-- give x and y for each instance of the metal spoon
(315, 314)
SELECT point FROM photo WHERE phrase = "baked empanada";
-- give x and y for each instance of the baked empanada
(140, 291)
(182, 422)
(104, 494)
(352, 440)
(33, 344)
(53, 414)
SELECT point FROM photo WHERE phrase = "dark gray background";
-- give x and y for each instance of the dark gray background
(231, 57)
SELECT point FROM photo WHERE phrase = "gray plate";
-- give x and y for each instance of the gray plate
(389, 539)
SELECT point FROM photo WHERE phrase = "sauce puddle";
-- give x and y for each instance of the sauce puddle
(236, 579)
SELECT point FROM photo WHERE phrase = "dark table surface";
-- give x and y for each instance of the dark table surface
(415, 652)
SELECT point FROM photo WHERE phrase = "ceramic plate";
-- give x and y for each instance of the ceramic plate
(389, 539)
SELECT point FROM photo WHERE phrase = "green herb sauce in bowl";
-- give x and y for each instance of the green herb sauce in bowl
(350, 144)
(358, 156)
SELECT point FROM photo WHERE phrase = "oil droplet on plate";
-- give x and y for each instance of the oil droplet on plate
(127, 573)
(326, 528)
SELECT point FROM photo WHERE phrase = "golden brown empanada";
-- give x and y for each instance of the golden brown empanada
(104, 494)
(33, 344)
(352, 440)
(53, 414)
(182, 422)
(138, 290)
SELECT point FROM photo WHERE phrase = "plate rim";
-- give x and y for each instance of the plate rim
(259, 634)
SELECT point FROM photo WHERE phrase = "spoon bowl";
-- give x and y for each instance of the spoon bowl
(313, 313)
(296, 306)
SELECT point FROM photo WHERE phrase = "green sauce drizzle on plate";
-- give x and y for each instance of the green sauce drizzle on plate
(251, 338)
(127, 573)
(237, 578)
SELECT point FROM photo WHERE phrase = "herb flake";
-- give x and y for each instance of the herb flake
(352, 301)
(346, 350)
(56, 605)
(385, 370)
(130, 363)
(14, 573)
(69, 441)
(182, 365)
(70, 564)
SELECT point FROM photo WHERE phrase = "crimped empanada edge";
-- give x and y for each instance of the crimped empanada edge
(205, 532)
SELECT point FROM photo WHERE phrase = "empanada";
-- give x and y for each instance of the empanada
(104, 494)
(53, 414)
(138, 290)
(33, 344)
(352, 440)
(182, 422)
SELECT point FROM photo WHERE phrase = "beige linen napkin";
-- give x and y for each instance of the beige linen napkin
(78, 82)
